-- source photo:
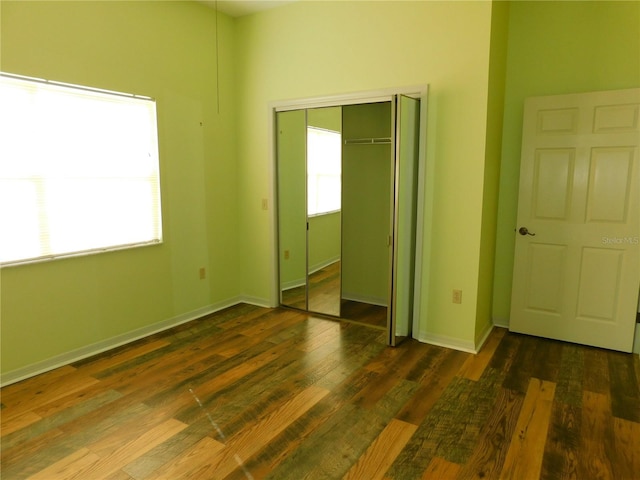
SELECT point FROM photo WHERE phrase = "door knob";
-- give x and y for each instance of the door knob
(524, 231)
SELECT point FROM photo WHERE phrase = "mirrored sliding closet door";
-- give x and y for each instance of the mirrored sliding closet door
(346, 193)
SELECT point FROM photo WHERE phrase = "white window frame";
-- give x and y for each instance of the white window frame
(79, 171)
(324, 171)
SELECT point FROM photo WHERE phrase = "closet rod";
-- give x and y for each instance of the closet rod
(367, 141)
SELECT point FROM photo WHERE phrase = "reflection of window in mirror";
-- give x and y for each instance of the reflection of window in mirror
(323, 171)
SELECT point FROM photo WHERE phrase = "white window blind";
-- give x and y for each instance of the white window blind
(79, 171)
(324, 171)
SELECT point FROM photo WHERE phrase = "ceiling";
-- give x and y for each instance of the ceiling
(239, 8)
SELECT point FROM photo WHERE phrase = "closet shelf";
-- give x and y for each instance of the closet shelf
(367, 141)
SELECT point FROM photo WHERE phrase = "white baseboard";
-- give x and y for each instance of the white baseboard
(298, 282)
(447, 342)
(325, 263)
(77, 354)
(381, 302)
(257, 301)
(484, 336)
(501, 322)
(456, 343)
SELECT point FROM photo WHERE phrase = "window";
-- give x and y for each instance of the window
(79, 171)
(323, 171)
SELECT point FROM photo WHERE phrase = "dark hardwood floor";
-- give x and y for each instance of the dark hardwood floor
(324, 298)
(251, 393)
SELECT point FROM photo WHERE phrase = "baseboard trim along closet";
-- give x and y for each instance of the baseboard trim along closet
(455, 343)
(77, 354)
(501, 322)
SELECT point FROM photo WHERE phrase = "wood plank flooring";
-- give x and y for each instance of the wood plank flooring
(253, 393)
(324, 298)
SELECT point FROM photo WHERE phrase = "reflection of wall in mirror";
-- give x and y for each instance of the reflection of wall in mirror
(324, 240)
(291, 198)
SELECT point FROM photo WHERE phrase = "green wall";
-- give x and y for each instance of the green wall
(329, 118)
(495, 108)
(324, 240)
(366, 204)
(556, 48)
(216, 153)
(311, 49)
(292, 211)
(165, 50)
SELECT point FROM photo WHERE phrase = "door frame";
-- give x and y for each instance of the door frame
(416, 91)
(397, 131)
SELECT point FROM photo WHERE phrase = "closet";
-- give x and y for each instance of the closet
(346, 183)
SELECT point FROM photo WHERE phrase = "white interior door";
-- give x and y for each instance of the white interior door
(577, 263)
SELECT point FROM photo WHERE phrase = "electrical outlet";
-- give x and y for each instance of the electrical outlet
(286, 254)
(203, 273)
(457, 296)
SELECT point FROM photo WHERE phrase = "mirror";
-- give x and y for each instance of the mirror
(292, 213)
(344, 192)
(309, 212)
